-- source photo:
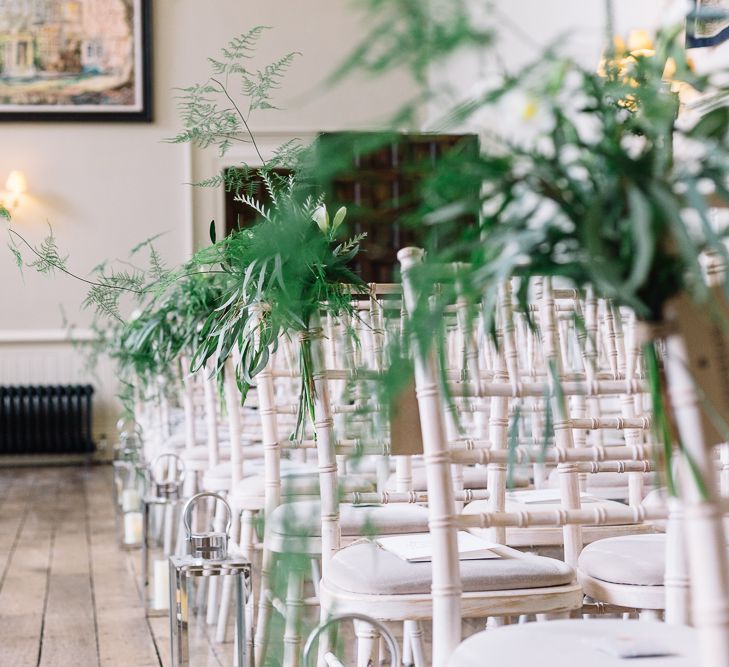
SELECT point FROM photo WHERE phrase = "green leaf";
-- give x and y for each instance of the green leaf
(212, 231)
(16, 254)
(713, 124)
(640, 228)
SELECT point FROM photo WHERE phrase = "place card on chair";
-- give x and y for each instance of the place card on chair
(629, 647)
(406, 438)
(418, 548)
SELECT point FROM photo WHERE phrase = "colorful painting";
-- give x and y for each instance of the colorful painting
(74, 60)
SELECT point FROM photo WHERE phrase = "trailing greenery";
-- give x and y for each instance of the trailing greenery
(283, 272)
(603, 177)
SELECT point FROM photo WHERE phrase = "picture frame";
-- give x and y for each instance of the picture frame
(77, 60)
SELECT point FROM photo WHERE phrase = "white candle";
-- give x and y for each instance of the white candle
(161, 584)
(133, 528)
(130, 500)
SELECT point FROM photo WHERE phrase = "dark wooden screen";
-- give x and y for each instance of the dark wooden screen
(239, 215)
(378, 181)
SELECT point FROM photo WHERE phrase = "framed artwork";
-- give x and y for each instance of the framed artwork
(75, 60)
(710, 24)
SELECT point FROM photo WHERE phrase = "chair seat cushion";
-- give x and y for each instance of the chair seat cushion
(300, 481)
(223, 470)
(179, 440)
(201, 452)
(609, 485)
(368, 569)
(303, 517)
(577, 642)
(635, 560)
(473, 478)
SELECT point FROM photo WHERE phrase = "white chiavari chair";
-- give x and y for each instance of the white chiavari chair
(369, 579)
(553, 353)
(294, 529)
(580, 641)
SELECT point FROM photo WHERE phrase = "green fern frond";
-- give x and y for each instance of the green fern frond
(259, 208)
(142, 244)
(259, 88)
(350, 245)
(104, 300)
(17, 255)
(287, 155)
(48, 258)
(244, 45)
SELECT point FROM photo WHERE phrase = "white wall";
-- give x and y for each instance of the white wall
(526, 27)
(104, 187)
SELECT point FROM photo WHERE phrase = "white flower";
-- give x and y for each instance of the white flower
(546, 213)
(578, 172)
(688, 154)
(321, 218)
(569, 154)
(706, 186)
(523, 118)
(633, 145)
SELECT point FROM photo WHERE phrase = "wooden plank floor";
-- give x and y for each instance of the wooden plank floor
(68, 595)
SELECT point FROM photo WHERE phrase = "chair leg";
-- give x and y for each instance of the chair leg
(294, 609)
(407, 646)
(368, 644)
(247, 542)
(418, 647)
(221, 631)
(265, 608)
(553, 616)
(315, 575)
(211, 614)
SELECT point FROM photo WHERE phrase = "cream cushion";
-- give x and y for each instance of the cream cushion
(473, 478)
(634, 560)
(608, 485)
(249, 493)
(367, 568)
(202, 452)
(576, 642)
(249, 455)
(303, 517)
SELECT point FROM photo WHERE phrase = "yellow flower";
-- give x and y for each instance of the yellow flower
(640, 41)
(530, 110)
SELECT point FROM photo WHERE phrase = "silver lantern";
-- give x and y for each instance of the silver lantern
(128, 486)
(161, 528)
(207, 557)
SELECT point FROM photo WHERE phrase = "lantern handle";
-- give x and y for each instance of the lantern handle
(178, 479)
(187, 511)
(382, 629)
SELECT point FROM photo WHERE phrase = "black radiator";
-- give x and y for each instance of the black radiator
(48, 419)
